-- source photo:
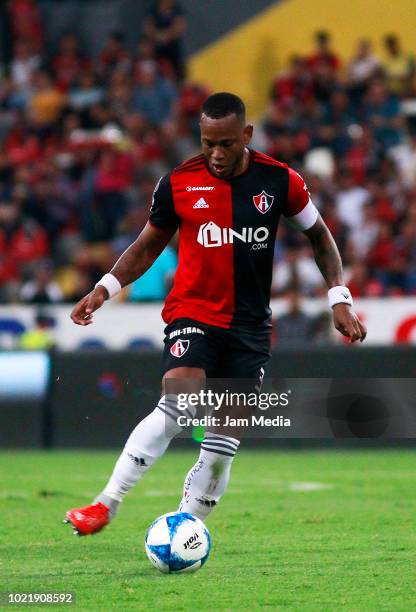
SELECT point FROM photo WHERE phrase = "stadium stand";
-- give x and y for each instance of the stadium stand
(84, 139)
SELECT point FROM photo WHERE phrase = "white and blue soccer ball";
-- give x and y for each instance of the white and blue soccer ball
(177, 542)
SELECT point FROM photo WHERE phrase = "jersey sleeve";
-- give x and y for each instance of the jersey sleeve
(162, 212)
(300, 210)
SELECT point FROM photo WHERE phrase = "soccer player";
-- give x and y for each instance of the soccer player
(226, 204)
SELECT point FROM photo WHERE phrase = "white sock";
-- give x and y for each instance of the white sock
(207, 480)
(146, 443)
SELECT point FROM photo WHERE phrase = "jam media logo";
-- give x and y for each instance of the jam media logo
(179, 348)
(263, 202)
(211, 235)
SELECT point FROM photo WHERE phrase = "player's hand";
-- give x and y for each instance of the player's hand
(347, 322)
(82, 312)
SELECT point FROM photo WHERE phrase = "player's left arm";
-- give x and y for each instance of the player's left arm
(303, 215)
(328, 260)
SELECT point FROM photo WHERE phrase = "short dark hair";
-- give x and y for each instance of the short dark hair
(221, 104)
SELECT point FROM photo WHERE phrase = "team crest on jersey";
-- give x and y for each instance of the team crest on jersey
(263, 202)
(179, 348)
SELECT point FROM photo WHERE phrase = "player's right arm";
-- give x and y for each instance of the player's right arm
(140, 255)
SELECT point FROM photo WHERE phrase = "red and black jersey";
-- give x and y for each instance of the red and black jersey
(227, 230)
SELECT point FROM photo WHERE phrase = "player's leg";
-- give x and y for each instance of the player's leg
(150, 438)
(243, 359)
(207, 480)
(145, 445)
(187, 355)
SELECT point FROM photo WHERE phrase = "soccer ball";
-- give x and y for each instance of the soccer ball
(177, 542)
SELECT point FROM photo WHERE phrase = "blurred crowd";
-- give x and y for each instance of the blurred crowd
(350, 129)
(83, 141)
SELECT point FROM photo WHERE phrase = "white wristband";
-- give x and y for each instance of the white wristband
(339, 295)
(110, 282)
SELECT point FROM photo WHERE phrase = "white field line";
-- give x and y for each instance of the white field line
(305, 487)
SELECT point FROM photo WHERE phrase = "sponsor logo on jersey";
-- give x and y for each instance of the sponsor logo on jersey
(199, 188)
(179, 348)
(201, 203)
(211, 235)
(185, 331)
(263, 202)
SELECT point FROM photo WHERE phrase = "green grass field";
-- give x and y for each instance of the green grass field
(296, 531)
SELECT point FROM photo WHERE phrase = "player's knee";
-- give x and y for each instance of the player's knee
(177, 385)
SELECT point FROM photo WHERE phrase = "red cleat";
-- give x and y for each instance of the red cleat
(89, 519)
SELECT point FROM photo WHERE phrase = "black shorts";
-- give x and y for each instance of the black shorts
(241, 352)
